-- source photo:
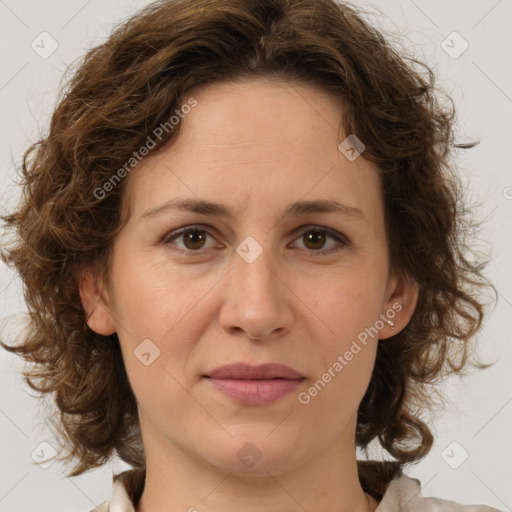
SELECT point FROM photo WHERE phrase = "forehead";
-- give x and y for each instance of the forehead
(257, 142)
(251, 117)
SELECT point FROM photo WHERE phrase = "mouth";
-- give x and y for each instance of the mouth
(254, 385)
(244, 371)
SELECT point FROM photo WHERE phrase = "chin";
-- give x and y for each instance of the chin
(256, 453)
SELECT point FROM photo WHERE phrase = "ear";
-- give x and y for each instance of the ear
(402, 296)
(97, 311)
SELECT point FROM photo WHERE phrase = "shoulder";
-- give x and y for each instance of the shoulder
(404, 493)
(126, 490)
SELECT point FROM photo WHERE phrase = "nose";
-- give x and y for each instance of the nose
(257, 299)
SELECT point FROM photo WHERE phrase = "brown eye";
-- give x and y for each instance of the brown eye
(192, 239)
(314, 240)
(316, 237)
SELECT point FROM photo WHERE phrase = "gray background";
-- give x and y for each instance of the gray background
(480, 82)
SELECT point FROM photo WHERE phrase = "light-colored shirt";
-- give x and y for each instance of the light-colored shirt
(401, 494)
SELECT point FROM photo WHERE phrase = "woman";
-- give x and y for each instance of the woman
(242, 250)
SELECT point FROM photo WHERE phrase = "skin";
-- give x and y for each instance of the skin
(255, 146)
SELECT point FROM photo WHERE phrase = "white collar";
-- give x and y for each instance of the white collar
(403, 494)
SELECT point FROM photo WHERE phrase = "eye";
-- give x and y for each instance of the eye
(194, 238)
(316, 236)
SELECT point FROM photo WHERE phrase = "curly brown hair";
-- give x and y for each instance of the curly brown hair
(134, 82)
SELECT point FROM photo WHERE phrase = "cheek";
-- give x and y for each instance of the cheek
(344, 350)
(158, 327)
(150, 296)
(346, 305)
(346, 338)
(161, 313)
(150, 313)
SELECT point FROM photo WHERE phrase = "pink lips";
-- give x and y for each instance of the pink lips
(255, 385)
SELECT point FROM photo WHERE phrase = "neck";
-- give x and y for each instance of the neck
(178, 481)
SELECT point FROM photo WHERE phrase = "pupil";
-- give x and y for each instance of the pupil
(190, 238)
(319, 237)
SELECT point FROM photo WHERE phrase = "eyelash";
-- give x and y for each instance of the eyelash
(316, 229)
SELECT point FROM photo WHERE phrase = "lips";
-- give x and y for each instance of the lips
(242, 371)
(254, 385)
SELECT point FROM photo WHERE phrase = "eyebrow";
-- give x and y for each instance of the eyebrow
(211, 208)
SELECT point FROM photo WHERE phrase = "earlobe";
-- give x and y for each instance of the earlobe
(400, 305)
(97, 312)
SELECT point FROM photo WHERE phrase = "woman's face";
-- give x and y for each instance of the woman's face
(260, 285)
